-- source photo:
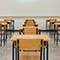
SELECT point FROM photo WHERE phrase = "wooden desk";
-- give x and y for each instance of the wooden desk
(51, 21)
(3, 26)
(56, 28)
(40, 37)
(10, 23)
(30, 39)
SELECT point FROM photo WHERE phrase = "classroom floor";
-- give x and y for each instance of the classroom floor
(6, 51)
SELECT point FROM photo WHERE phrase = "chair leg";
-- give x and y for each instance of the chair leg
(13, 27)
(47, 52)
(57, 38)
(1, 36)
(6, 33)
(46, 25)
(54, 34)
(4, 38)
(43, 53)
(13, 51)
(1, 40)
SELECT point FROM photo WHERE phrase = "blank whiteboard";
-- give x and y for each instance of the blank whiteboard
(29, 7)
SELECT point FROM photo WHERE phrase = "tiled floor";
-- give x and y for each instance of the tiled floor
(6, 51)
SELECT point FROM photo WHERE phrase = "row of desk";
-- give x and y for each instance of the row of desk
(5, 25)
(55, 23)
(29, 43)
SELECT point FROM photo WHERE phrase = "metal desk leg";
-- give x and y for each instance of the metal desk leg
(13, 27)
(54, 34)
(10, 31)
(6, 33)
(43, 53)
(57, 38)
(4, 38)
(17, 49)
(1, 37)
(46, 25)
(13, 51)
(49, 26)
(47, 52)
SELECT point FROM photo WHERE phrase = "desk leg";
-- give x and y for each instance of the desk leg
(17, 49)
(13, 51)
(10, 31)
(13, 27)
(49, 26)
(57, 38)
(43, 53)
(54, 34)
(46, 25)
(6, 33)
(1, 36)
(47, 52)
(4, 38)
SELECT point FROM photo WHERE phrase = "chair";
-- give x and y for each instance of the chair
(30, 47)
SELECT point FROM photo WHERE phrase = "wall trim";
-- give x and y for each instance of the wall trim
(29, 16)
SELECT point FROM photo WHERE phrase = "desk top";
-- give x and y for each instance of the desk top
(57, 23)
(53, 20)
(8, 21)
(3, 23)
(40, 37)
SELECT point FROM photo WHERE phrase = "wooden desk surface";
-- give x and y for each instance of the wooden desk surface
(41, 37)
(3, 23)
(8, 21)
(52, 20)
(57, 23)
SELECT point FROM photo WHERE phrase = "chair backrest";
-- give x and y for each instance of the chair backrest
(30, 22)
(29, 45)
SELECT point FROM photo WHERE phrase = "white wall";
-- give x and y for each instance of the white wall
(30, 7)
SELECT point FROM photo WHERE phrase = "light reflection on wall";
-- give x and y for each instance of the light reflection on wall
(24, 1)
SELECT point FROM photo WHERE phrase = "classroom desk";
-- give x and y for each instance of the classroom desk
(51, 21)
(56, 28)
(3, 25)
(41, 38)
(10, 24)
